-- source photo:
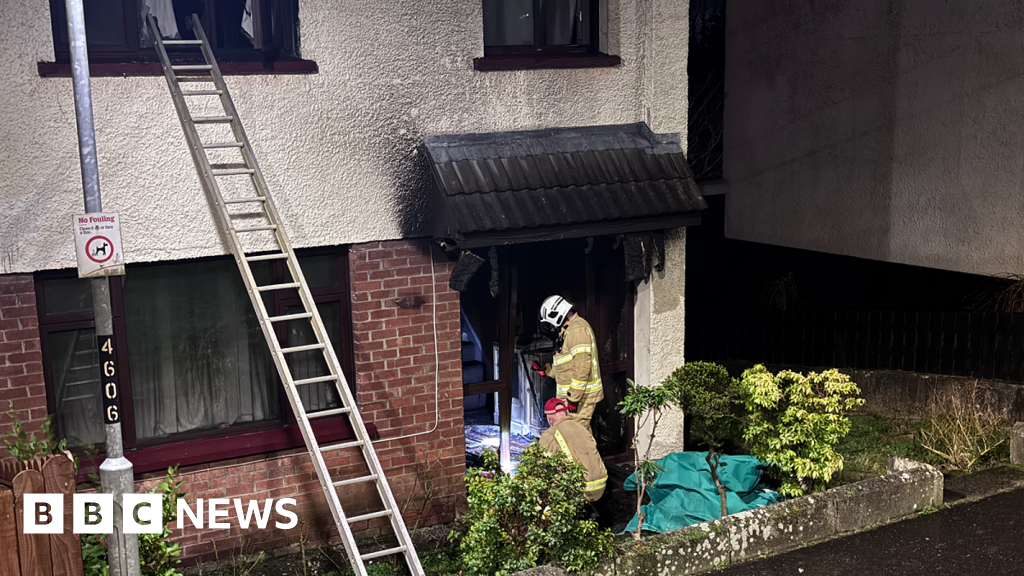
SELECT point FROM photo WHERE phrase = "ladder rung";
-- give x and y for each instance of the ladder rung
(257, 228)
(211, 120)
(305, 348)
(326, 413)
(191, 67)
(269, 287)
(183, 42)
(201, 92)
(380, 553)
(288, 317)
(314, 381)
(341, 446)
(262, 257)
(233, 171)
(341, 483)
(244, 200)
(369, 516)
(223, 145)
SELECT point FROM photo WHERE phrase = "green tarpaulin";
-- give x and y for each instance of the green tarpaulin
(684, 494)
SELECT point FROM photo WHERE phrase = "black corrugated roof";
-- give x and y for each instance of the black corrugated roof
(566, 177)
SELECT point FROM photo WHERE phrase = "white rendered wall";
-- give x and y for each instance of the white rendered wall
(659, 330)
(338, 148)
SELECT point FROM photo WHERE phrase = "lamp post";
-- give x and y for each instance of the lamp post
(115, 471)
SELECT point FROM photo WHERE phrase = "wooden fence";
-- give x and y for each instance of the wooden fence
(37, 554)
(982, 345)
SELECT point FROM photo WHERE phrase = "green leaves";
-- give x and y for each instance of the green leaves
(158, 555)
(24, 446)
(518, 521)
(708, 396)
(795, 422)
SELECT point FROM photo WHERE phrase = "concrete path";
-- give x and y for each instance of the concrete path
(984, 537)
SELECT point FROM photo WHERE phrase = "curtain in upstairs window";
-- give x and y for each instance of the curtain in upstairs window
(561, 21)
(508, 22)
(197, 356)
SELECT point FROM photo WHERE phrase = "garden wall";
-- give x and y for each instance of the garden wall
(908, 488)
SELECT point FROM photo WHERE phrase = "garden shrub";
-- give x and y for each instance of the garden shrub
(646, 405)
(795, 422)
(158, 555)
(517, 521)
(962, 428)
(709, 397)
(24, 446)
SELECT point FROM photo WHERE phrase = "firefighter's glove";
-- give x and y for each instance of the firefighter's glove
(571, 406)
(542, 370)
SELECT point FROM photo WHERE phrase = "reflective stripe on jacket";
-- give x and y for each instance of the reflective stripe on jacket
(569, 437)
(576, 366)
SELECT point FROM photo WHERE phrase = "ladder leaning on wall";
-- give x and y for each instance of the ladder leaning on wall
(259, 203)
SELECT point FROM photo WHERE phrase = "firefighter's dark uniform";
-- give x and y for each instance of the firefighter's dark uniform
(570, 437)
(577, 370)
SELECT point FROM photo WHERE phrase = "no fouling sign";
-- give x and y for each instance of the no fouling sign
(98, 244)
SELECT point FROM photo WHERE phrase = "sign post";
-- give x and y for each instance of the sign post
(101, 247)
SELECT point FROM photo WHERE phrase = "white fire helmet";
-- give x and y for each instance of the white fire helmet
(554, 310)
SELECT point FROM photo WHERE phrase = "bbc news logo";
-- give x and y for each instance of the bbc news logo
(144, 513)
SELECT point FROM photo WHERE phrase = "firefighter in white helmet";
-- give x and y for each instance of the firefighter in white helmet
(576, 368)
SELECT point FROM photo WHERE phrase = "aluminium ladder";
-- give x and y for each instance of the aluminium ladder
(210, 175)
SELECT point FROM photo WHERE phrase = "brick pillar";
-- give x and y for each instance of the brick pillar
(21, 362)
(396, 370)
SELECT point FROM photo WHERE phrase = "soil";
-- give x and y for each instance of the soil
(617, 507)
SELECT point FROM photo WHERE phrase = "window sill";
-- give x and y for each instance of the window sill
(205, 450)
(113, 69)
(540, 61)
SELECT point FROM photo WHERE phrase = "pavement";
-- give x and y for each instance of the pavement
(984, 537)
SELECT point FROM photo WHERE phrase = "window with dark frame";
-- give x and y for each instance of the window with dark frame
(195, 363)
(532, 26)
(239, 30)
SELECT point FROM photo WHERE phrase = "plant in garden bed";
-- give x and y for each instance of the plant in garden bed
(708, 396)
(24, 446)
(157, 554)
(795, 422)
(517, 521)
(645, 404)
(962, 429)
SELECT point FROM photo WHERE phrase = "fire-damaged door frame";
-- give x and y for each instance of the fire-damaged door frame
(598, 306)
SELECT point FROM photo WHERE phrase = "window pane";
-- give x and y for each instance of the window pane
(321, 395)
(320, 270)
(67, 295)
(197, 355)
(74, 364)
(508, 22)
(562, 22)
(104, 23)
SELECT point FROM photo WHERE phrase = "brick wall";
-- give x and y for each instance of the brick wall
(21, 363)
(395, 375)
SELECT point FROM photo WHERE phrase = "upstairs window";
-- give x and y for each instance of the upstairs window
(532, 26)
(238, 30)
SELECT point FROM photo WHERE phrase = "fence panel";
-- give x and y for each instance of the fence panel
(65, 548)
(9, 564)
(33, 549)
(978, 344)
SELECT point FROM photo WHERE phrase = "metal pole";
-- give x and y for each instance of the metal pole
(116, 471)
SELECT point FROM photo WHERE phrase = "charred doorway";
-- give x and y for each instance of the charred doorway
(502, 338)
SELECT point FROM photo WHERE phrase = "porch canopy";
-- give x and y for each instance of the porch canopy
(508, 187)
